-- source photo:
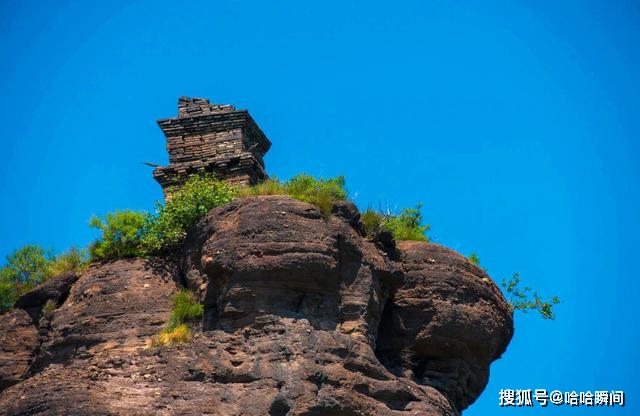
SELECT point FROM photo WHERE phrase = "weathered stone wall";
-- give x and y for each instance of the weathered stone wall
(193, 107)
(214, 138)
(204, 145)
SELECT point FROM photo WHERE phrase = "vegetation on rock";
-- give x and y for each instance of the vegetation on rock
(129, 233)
(121, 235)
(32, 265)
(407, 225)
(319, 192)
(175, 336)
(523, 299)
(48, 308)
(186, 310)
(167, 228)
(473, 258)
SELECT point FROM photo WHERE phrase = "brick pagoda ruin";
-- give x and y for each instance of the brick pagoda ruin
(212, 138)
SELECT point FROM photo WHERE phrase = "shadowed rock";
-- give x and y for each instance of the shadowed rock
(55, 289)
(18, 341)
(446, 324)
(19, 328)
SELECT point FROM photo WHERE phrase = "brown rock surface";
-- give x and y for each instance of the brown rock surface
(302, 317)
(19, 329)
(446, 323)
(18, 340)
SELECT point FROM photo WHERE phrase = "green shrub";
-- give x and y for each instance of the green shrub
(121, 235)
(26, 268)
(72, 259)
(185, 308)
(187, 204)
(522, 299)
(32, 265)
(29, 265)
(319, 192)
(7, 294)
(407, 225)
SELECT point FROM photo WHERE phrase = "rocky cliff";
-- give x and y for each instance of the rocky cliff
(303, 316)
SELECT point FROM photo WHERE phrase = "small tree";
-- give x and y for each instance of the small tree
(73, 259)
(7, 294)
(522, 299)
(26, 268)
(121, 235)
(32, 265)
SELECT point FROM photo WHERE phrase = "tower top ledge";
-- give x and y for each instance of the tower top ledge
(195, 107)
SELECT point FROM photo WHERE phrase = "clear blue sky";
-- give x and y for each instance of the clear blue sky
(515, 123)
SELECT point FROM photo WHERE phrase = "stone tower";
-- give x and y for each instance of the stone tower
(213, 138)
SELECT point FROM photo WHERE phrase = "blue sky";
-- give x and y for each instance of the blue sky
(512, 122)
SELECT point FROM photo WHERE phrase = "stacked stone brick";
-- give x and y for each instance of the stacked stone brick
(212, 138)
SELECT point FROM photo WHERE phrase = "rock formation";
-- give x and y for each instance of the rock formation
(303, 316)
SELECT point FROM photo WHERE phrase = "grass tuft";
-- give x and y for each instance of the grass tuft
(49, 308)
(186, 309)
(179, 335)
(319, 192)
(407, 225)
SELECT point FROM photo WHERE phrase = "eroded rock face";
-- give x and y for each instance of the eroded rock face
(91, 348)
(275, 255)
(114, 305)
(446, 323)
(20, 328)
(303, 316)
(18, 340)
